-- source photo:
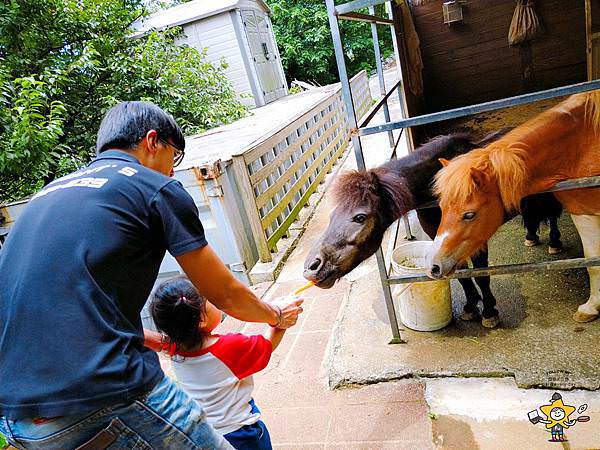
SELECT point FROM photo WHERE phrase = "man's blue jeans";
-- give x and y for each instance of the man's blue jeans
(165, 418)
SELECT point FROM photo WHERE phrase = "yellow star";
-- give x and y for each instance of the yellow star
(568, 410)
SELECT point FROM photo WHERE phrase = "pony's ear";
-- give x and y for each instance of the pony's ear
(444, 162)
(479, 177)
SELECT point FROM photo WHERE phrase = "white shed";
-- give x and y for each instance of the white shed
(239, 31)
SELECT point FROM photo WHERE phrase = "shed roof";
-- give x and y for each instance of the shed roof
(188, 12)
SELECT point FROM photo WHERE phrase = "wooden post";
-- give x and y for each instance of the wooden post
(249, 201)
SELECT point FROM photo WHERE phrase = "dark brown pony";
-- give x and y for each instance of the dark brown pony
(369, 202)
(476, 189)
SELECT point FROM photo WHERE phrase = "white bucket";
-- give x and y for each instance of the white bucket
(424, 306)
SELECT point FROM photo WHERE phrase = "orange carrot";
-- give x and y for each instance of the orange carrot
(303, 288)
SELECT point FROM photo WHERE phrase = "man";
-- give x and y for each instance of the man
(75, 272)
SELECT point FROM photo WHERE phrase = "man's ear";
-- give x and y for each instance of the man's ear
(151, 141)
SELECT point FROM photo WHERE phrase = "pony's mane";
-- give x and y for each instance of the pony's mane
(433, 148)
(592, 109)
(377, 188)
(501, 162)
(504, 161)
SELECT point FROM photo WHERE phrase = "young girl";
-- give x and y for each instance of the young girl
(215, 370)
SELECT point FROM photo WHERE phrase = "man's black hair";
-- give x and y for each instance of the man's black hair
(125, 124)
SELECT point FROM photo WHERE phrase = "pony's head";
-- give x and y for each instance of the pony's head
(475, 191)
(367, 204)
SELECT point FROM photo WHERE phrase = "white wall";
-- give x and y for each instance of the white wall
(217, 34)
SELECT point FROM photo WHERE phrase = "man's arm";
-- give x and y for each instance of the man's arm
(214, 280)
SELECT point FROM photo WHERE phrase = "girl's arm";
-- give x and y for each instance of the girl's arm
(274, 335)
(153, 340)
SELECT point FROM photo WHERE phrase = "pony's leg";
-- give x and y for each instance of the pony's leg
(532, 225)
(470, 311)
(589, 232)
(490, 314)
(554, 245)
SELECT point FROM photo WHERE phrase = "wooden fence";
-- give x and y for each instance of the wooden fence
(278, 174)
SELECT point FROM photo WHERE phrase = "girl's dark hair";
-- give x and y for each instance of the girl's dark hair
(177, 308)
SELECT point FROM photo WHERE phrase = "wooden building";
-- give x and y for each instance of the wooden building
(470, 61)
(238, 31)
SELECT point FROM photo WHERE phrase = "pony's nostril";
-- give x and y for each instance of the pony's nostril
(436, 270)
(315, 265)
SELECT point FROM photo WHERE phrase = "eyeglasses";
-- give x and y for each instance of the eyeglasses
(177, 155)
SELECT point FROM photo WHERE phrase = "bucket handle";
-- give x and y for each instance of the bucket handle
(404, 288)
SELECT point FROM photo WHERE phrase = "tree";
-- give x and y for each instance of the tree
(64, 63)
(306, 47)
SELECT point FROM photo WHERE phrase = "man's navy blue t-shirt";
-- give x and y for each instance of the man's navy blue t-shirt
(75, 272)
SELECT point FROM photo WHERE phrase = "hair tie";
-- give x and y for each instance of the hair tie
(181, 300)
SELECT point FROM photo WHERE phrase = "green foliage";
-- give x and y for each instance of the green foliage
(31, 128)
(295, 90)
(64, 63)
(3, 442)
(306, 47)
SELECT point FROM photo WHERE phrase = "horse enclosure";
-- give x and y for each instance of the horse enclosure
(456, 61)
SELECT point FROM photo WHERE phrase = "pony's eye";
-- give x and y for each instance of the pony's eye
(468, 215)
(359, 218)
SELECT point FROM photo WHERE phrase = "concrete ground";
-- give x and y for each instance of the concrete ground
(342, 339)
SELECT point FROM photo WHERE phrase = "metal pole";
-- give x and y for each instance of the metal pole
(355, 5)
(561, 264)
(386, 110)
(347, 95)
(482, 107)
(397, 55)
(389, 303)
(346, 92)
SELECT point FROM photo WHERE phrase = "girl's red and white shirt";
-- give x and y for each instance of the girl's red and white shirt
(219, 378)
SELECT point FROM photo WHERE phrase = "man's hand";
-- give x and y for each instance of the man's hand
(290, 309)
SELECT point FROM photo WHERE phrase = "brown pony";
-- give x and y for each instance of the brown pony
(478, 189)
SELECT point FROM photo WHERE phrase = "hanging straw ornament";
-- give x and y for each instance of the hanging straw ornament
(526, 24)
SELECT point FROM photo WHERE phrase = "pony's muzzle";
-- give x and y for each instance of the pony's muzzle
(313, 265)
(435, 271)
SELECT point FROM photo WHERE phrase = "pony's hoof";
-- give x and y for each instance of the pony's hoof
(467, 316)
(491, 322)
(582, 317)
(530, 243)
(555, 250)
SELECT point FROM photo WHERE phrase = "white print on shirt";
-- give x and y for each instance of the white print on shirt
(95, 183)
(80, 173)
(129, 171)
